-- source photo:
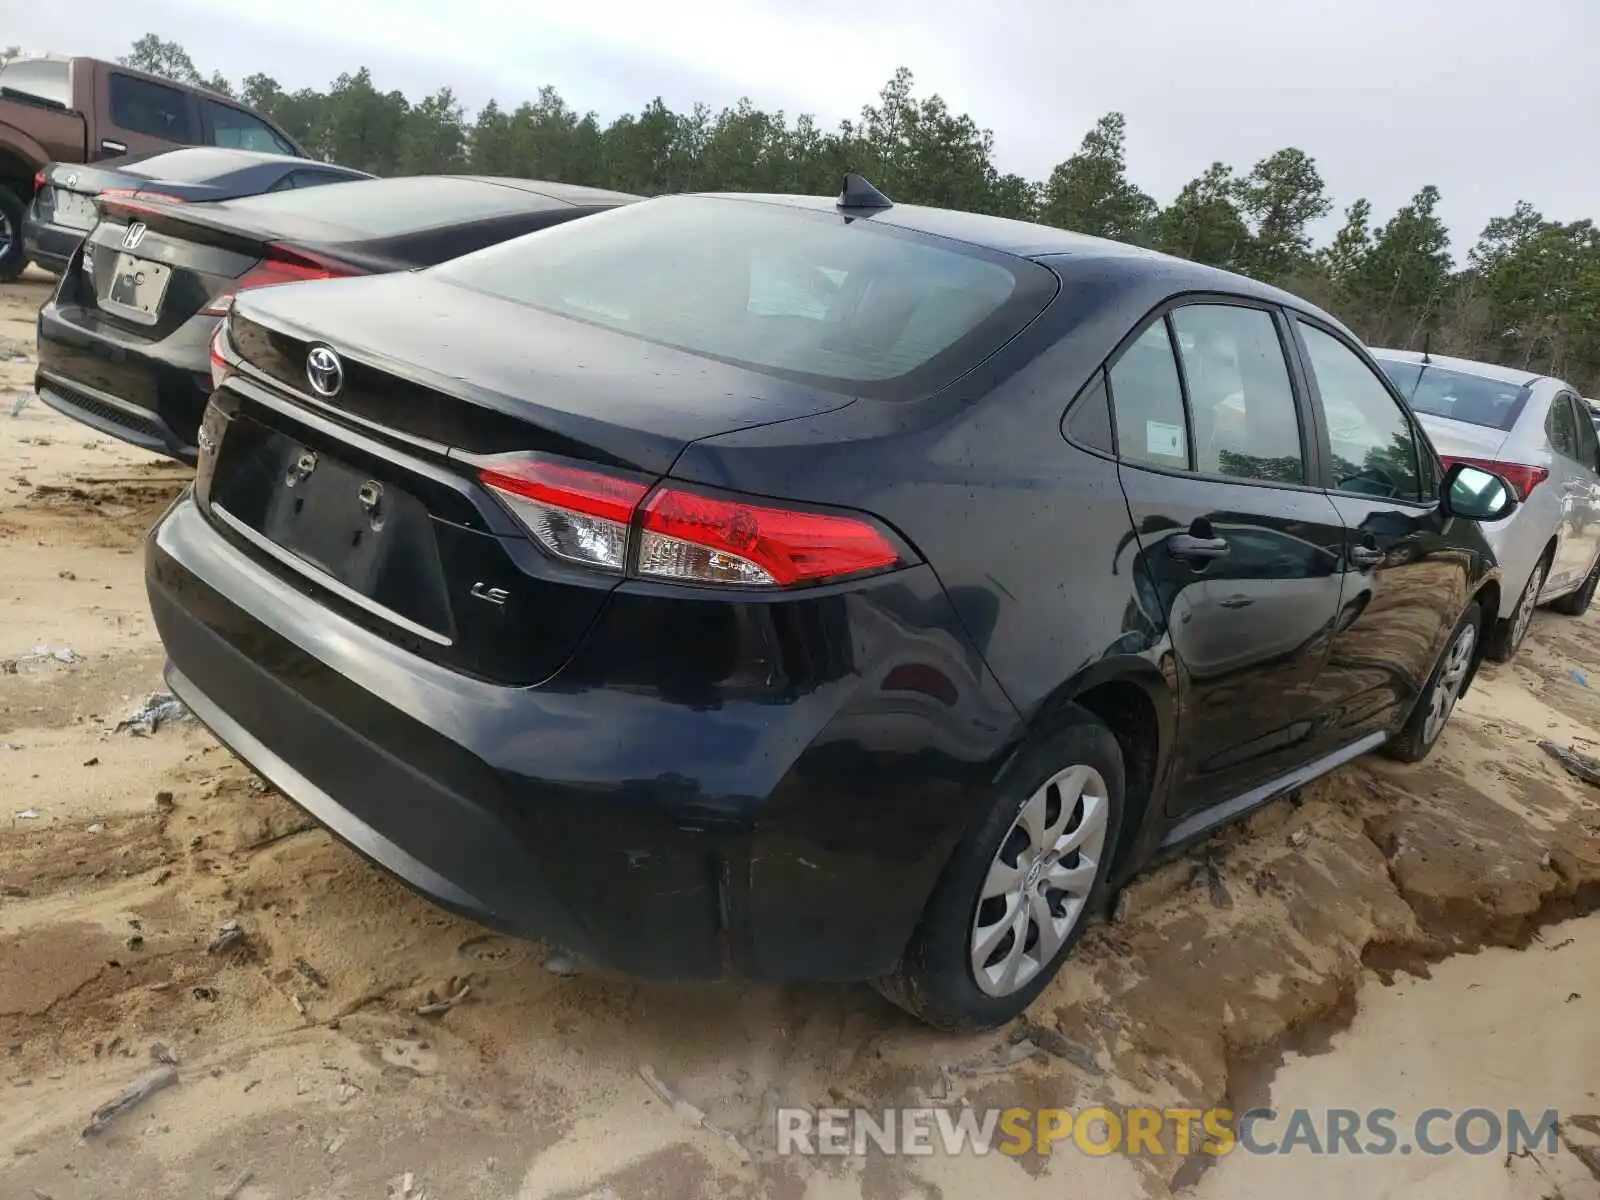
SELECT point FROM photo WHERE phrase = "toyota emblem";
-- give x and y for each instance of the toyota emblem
(324, 371)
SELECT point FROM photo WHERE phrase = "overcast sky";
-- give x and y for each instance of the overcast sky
(1490, 100)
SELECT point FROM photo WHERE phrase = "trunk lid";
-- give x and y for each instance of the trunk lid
(481, 375)
(1463, 439)
(371, 494)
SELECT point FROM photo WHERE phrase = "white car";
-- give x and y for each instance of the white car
(1538, 433)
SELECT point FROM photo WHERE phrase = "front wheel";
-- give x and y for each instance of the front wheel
(1017, 893)
(1420, 733)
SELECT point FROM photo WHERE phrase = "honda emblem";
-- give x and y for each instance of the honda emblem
(133, 235)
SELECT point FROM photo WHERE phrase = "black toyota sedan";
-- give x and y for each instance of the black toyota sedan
(123, 341)
(64, 208)
(809, 589)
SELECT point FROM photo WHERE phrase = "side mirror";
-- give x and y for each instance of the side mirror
(1475, 494)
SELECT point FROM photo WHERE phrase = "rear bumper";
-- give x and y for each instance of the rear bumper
(791, 836)
(151, 394)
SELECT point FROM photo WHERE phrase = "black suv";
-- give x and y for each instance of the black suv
(801, 588)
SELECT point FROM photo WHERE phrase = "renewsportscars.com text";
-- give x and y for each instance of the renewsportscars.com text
(1162, 1131)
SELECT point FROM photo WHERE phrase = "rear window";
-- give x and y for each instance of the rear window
(199, 165)
(805, 294)
(1461, 397)
(380, 208)
(45, 78)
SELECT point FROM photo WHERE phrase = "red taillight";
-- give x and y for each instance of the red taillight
(581, 516)
(283, 264)
(589, 517)
(221, 355)
(703, 539)
(39, 179)
(1522, 477)
(121, 196)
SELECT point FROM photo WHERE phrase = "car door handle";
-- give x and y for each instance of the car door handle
(107, 146)
(1237, 602)
(1366, 556)
(1187, 545)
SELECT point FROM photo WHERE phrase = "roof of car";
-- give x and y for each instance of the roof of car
(1466, 366)
(1026, 239)
(567, 193)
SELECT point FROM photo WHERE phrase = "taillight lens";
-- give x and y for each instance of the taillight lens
(596, 518)
(222, 358)
(1522, 477)
(121, 196)
(39, 179)
(283, 264)
(580, 516)
(704, 539)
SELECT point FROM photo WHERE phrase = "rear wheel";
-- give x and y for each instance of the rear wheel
(1575, 604)
(1017, 894)
(1508, 635)
(12, 255)
(1420, 734)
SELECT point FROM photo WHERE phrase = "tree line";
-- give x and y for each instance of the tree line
(1526, 295)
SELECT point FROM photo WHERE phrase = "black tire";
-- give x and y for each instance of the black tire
(935, 980)
(13, 256)
(1418, 737)
(1575, 604)
(1507, 636)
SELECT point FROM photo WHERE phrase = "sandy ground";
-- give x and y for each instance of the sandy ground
(1290, 960)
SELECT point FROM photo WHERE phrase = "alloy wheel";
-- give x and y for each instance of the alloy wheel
(6, 234)
(1039, 882)
(1447, 687)
(1525, 606)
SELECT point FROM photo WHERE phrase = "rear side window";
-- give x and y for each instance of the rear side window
(799, 293)
(44, 78)
(1147, 403)
(1562, 427)
(139, 106)
(239, 130)
(1246, 424)
(380, 208)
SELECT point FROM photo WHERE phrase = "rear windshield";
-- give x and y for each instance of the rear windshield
(197, 165)
(1470, 398)
(46, 78)
(380, 208)
(800, 293)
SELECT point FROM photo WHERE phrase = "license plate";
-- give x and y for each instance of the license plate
(135, 289)
(75, 210)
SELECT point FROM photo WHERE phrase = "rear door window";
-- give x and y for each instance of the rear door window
(1246, 422)
(139, 106)
(238, 130)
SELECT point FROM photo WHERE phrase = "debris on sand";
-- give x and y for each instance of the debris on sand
(232, 1191)
(690, 1114)
(20, 402)
(562, 965)
(1209, 873)
(162, 1053)
(134, 1096)
(446, 1004)
(311, 973)
(27, 814)
(43, 652)
(160, 708)
(229, 936)
(1583, 766)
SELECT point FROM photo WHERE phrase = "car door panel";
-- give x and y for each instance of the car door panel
(1405, 578)
(1572, 484)
(1244, 564)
